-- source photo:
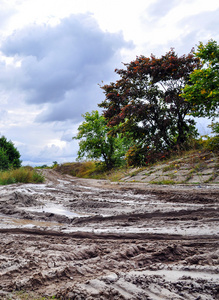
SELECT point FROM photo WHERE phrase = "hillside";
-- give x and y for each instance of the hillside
(193, 168)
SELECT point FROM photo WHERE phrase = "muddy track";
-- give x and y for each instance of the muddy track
(109, 236)
(86, 239)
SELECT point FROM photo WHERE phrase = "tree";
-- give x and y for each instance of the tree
(9, 155)
(146, 100)
(4, 161)
(202, 91)
(96, 143)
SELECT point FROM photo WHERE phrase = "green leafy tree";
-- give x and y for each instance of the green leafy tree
(4, 161)
(97, 143)
(202, 91)
(146, 102)
(9, 155)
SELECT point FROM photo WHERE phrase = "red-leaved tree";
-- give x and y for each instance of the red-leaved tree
(146, 102)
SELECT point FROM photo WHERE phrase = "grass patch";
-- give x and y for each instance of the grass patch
(21, 175)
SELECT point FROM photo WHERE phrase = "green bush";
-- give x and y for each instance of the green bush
(213, 142)
(21, 175)
(4, 160)
(9, 155)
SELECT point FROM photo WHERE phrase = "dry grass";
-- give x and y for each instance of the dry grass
(22, 175)
(88, 169)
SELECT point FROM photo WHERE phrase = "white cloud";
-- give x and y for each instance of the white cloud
(179, 24)
(44, 143)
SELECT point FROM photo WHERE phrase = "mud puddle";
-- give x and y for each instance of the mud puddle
(10, 222)
(56, 209)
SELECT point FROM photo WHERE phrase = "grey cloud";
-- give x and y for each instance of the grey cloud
(203, 26)
(75, 103)
(3, 114)
(69, 59)
(199, 27)
(67, 137)
(69, 38)
(160, 8)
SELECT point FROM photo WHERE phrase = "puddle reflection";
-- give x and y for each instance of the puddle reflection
(55, 209)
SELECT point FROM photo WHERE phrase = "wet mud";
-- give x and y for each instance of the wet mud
(90, 239)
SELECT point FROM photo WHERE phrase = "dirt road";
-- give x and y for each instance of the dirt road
(90, 239)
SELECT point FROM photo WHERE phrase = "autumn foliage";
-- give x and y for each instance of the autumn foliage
(146, 101)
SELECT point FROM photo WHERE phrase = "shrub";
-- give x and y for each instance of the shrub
(21, 175)
(210, 143)
(9, 155)
(4, 160)
(137, 156)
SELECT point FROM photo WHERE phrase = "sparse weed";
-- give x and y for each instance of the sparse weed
(170, 167)
(134, 173)
(200, 166)
(116, 175)
(212, 177)
(166, 181)
(188, 177)
(172, 176)
(22, 295)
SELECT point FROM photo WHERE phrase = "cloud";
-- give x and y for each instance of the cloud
(6, 12)
(203, 25)
(160, 8)
(75, 103)
(48, 154)
(179, 26)
(60, 66)
(43, 144)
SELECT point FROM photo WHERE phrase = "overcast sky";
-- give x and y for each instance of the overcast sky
(54, 53)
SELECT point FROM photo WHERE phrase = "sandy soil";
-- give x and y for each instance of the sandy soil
(90, 239)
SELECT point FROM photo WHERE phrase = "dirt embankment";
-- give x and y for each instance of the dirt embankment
(90, 239)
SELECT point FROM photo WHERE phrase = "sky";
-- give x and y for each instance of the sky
(55, 54)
